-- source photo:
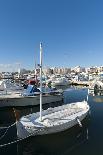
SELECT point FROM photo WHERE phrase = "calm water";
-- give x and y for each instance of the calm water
(82, 141)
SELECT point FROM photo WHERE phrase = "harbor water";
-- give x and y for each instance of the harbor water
(77, 140)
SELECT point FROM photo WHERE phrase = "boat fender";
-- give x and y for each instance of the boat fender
(79, 122)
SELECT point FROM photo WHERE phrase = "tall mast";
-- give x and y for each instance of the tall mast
(40, 81)
(35, 72)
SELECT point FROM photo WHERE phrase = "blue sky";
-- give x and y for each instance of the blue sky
(71, 32)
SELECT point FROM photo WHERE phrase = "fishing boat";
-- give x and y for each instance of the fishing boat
(60, 81)
(12, 95)
(52, 120)
(16, 99)
(29, 97)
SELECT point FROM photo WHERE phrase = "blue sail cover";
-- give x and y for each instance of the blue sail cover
(31, 90)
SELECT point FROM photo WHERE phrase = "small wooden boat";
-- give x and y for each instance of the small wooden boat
(52, 120)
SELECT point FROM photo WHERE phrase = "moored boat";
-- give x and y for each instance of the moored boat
(52, 120)
(27, 98)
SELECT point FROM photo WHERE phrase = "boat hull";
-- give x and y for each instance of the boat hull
(60, 83)
(23, 132)
(29, 100)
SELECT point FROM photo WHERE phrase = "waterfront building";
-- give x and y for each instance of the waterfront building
(78, 69)
(92, 70)
(100, 69)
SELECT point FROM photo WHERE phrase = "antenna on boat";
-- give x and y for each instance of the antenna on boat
(40, 81)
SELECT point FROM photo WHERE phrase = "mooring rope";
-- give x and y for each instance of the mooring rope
(18, 140)
(7, 128)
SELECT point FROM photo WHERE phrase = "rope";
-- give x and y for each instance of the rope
(7, 128)
(18, 140)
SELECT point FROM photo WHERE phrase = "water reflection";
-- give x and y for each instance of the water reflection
(96, 92)
(97, 95)
(98, 99)
(55, 144)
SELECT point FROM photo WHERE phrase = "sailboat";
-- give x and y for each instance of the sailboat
(52, 120)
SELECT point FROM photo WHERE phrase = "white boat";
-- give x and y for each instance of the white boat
(29, 97)
(52, 120)
(60, 81)
(6, 86)
(15, 99)
(96, 85)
